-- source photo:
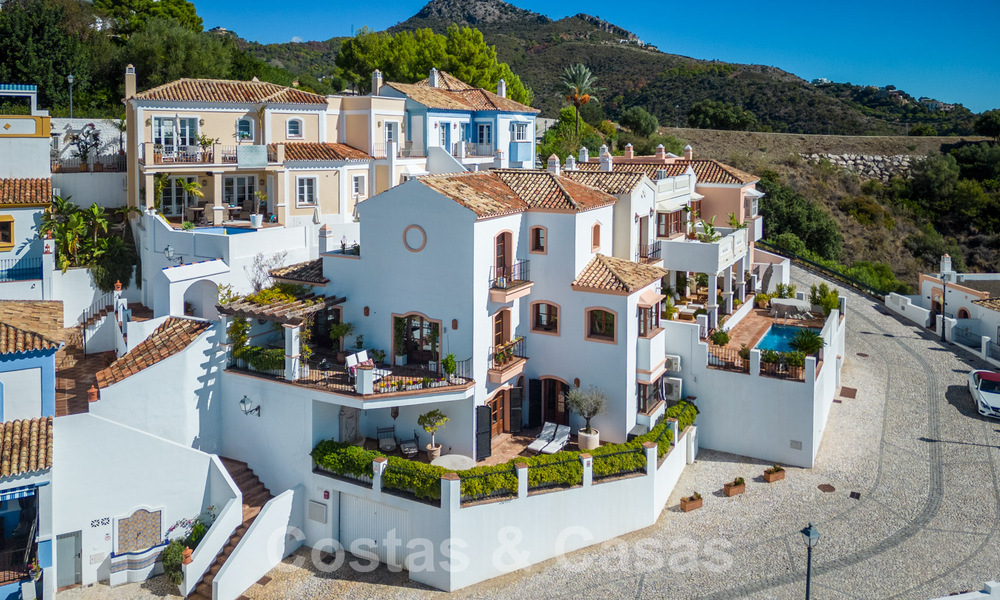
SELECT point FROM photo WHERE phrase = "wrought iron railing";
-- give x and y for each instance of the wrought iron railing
(782, 370)
(506, 277)
(111, 163)
(619, 464)
(648, 252)
(727, 359)
(507, 354)
(20, 269)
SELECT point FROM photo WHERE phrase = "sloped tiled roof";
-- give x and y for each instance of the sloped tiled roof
(14, 340)
(707, 171)
(26, 446)
(614, 182)
(321, 151)
(990, 303)
(224, 90)
(454, 94)
(172, 336)
(309, 272)
(25, 191)
(617, 275)
(990, 286)
(508, 191)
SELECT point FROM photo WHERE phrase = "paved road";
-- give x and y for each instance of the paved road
(923, 461)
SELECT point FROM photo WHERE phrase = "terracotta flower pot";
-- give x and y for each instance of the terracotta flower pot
(734, 490)
(690, 503)
(433, 451)
(776, 476)
(187, 556)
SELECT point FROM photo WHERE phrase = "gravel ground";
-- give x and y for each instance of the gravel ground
(912, 445)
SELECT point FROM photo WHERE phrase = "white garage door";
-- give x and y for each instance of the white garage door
(373, 526)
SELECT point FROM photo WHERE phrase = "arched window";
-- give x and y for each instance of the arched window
(244, 129)
(595, 237)
(545, 317)
(601, 325)
(293, 128)
(963, 314)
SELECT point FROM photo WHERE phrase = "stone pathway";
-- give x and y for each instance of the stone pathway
(911, 443)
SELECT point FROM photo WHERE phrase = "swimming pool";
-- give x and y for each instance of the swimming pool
(223, 230)
(778, 337)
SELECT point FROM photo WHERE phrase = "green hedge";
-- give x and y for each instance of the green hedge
(561, 469)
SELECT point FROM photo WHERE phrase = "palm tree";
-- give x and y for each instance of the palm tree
(807, 341)
(578, 86)
(96, 220)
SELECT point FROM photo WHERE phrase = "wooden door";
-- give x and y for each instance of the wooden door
(554, 394)
(498, 409)
(500, 328)
(483, 428)
(502, 259)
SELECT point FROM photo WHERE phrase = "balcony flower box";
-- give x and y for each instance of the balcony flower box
(773, 474)
(692, 502)
(734, 488)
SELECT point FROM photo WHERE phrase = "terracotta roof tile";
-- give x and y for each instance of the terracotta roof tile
(617, 275)
(172, 336)
(309, 272)
(26, 446)
(223, 90)
(990, 303)
(707, 170)
(615, 182)
(14, 340)
(26, 191)
(454, 94)
(508, 191)
(321, 151)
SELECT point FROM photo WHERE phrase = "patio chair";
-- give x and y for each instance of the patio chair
(559, 441)
(363, 356)
(386, 439)
(409, 448)
(548, 432)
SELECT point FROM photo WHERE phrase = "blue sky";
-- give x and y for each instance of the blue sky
(945, 50)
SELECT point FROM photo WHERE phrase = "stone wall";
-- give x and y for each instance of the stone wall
(869, 166)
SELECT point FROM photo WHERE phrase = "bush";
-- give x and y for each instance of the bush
(639, 121)
(807, 341)
(761, 299)
(171, 559)
(794, 359)
(720, 337)
(344, 459)
(823, 296)
(422, 480)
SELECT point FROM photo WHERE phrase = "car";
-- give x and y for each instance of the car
(985, 389)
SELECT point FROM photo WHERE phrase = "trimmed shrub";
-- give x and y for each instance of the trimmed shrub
(171, 559)
(422, 480)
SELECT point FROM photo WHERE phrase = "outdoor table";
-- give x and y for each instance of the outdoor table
(456, 462)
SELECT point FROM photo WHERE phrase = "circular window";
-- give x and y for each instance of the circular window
(414, 238)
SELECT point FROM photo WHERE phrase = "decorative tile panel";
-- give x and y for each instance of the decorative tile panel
(140, 531)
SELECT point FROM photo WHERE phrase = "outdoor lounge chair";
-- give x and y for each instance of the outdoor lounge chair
(386, 439)
(410, 448)
(543, 439)
(559, 441)
(354, 360)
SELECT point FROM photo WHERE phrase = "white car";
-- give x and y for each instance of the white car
(985, 389)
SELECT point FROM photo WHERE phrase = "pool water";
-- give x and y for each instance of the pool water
(223, 230)
(778, 337)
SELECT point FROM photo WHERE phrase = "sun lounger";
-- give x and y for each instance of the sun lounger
(558, 442)
(543, 439)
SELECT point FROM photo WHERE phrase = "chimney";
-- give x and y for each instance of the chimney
(607, 163)
(498, 162)
(584, 154)
(946, 264)
(129, 82)
(93, 394)
(688, 152)
(570, 163)
(629, 152)
(553, 164)
(502, 88)
(433, 79)
(661, 152)
(376, 82)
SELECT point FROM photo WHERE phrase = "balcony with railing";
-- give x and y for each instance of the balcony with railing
(507, 360)
(703, 252)
(216, 154)
(107, 163)
(510, 282)
(464, 149)
(648, 253)
(20, 269)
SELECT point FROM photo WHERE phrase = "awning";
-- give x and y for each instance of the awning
(697, 196)
(752, 193)
(18, 492)
(650, 298)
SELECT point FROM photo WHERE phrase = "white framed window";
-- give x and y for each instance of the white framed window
(444, 134)
(359, 186)
(484, 133)
(293, 128)
(305, 190)
(244, 129)
(390, 131)
(520, 132)
(171, 132)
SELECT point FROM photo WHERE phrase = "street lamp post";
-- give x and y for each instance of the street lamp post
(944, 304)
(70, 79)
(811, 535)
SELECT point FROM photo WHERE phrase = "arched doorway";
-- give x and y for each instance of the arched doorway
(963, 314)
(554, 392)
(200, 299)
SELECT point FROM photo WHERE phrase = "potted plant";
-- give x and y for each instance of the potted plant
(157, 153)
(431, 422)
(337, 333)
(669, 310)
(775, 473)
(206, 142)
(720, 337)
(692, 502)
(257, 219)
(761, 300)
(735, 487)
(399, 340)
(449, 366)
(359, 342)
(588, 405)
